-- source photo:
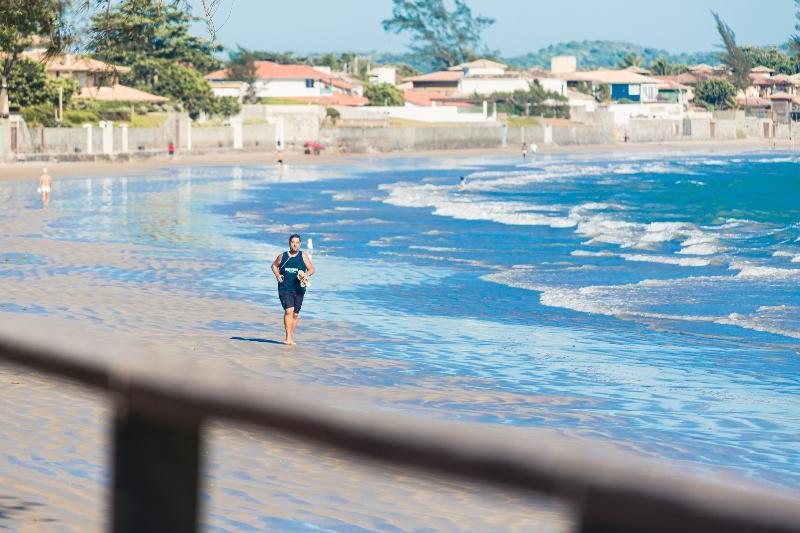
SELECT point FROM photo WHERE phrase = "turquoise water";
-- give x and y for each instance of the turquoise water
(651, 300)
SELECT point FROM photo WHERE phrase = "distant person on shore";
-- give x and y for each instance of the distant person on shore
(292, 270)
(534, 149)
(280, 160)
(171, 150)
(45, 186)
(524, 151)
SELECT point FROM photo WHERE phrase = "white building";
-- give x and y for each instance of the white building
(484, 77)
(383, 74)
(297, 82)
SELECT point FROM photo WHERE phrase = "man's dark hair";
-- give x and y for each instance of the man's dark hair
(295, 235)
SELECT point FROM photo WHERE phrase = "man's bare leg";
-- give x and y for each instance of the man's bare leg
(295, 318)
(288, 319)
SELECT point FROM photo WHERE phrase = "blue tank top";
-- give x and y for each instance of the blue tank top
(289, 268)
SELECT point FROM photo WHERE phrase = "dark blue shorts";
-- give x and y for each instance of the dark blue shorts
(291, 299)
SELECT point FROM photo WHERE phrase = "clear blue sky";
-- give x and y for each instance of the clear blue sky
(522, 25)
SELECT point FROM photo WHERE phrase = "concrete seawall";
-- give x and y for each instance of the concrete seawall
(120, 142)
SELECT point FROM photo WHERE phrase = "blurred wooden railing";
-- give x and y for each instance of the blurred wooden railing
(161, 406)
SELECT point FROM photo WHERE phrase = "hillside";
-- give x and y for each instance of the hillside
(603, 54)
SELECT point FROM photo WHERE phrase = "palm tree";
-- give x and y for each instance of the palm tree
(661, 67)
(630, 60)
(733, 57)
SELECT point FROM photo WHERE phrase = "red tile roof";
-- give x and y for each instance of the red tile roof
(119, 93)
(781, 96)
(442, 75)
(272, 70)
(668, 82)
(752, 101)
(427, 99)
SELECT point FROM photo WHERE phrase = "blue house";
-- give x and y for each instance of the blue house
(624, 84)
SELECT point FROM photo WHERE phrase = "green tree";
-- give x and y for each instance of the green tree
(535, 101)
(130, 31)
(226, 106)
(732, 56)
(30, 87)
(181, 84)
(716, 93)
(794, 40)
(630, 60)
(603, 93)
(771, 57)
(661, 67)
(20, 21)
(444, 38)
(27, 84)
(383, 94)
(242, 67)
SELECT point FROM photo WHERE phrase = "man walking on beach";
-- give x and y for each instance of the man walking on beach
(45, 186)
(292, 270)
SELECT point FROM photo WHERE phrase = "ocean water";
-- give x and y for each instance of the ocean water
(648, 300)
(657, 296)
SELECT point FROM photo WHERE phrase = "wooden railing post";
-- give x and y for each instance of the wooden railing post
(156, 473)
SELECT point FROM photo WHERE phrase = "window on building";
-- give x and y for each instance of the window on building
(309, 84)
(633, 90)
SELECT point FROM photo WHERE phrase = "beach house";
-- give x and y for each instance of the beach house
(295, 82)
(484, 77)
(96, 79)
(623, 84)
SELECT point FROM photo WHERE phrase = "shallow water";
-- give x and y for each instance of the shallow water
(650, 301)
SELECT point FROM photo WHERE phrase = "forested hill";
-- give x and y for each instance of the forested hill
(590, 54)
(602, 54)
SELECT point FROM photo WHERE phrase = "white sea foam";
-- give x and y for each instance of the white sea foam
(434, 248)
(705, 162)
(669, 260)
(632, 300)
(470, 207)
(752, 271)
(586, 253)
(794, 257)
(602, 228)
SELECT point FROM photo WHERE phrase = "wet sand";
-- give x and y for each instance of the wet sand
(55, 438)
(56, 435)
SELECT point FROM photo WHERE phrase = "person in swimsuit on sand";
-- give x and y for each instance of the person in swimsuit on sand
(45, 186)
(292, 270)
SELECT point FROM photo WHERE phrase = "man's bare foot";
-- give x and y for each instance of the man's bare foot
(288, 342)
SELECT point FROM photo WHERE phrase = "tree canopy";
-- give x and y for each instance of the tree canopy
(20, 22)
(716, 93)
(794, 40)
(439, 36)
(134, 30)
(771, 57)
(535, 101)
(630, 60)
(152, 37)
(383, 94)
